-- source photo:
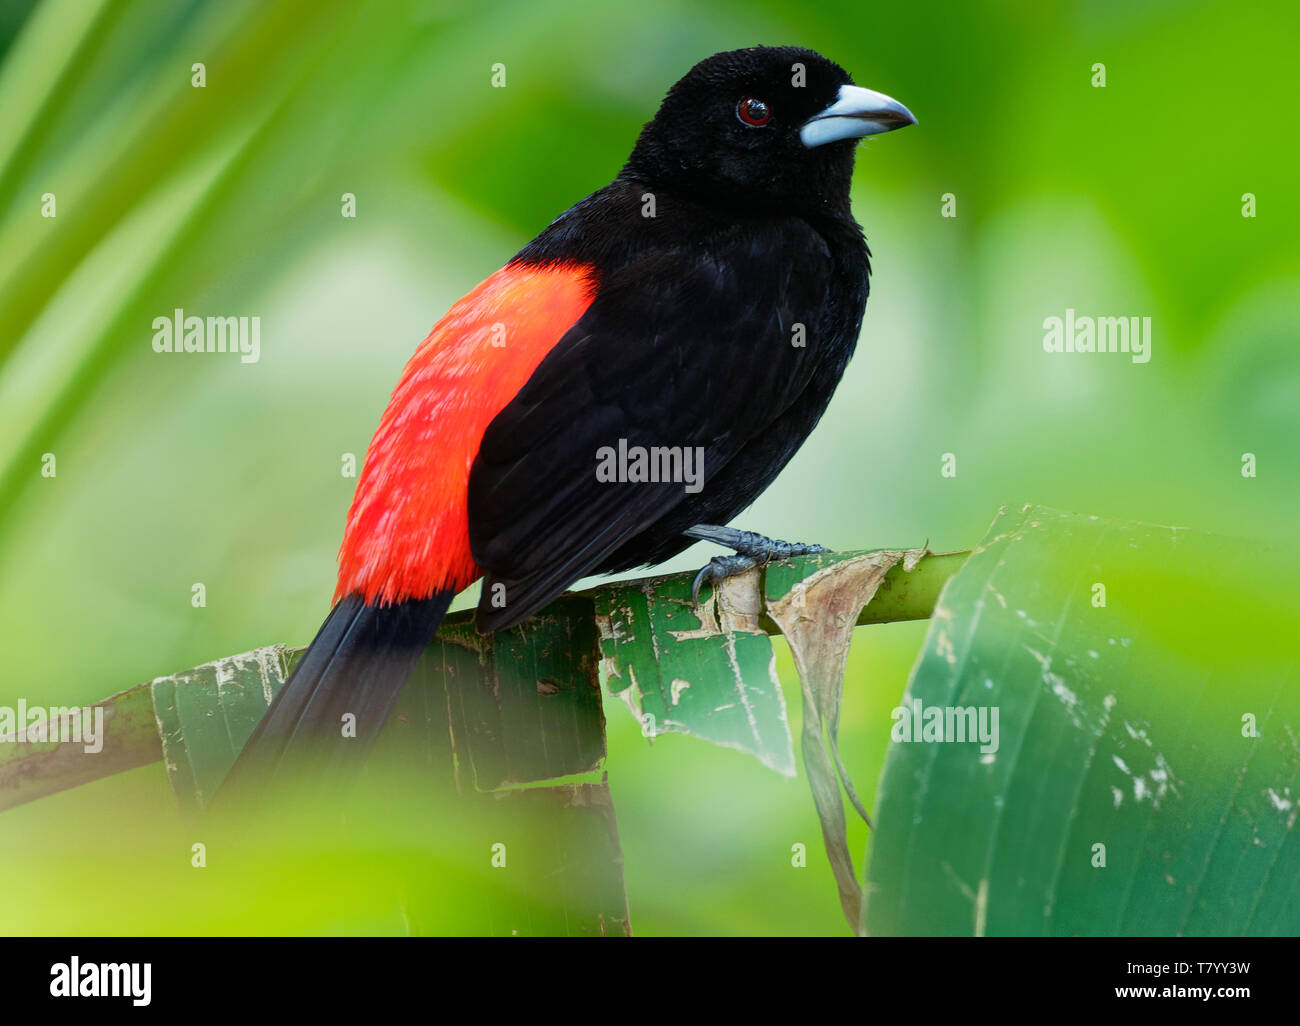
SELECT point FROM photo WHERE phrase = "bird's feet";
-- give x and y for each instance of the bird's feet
(751, 550)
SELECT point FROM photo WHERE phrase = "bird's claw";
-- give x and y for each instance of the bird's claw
(705, 574)
(718, 569)
(752, 549)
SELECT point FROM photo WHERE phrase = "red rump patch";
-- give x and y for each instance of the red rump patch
(408, 529)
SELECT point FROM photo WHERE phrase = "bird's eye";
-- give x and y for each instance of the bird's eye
(754, 113)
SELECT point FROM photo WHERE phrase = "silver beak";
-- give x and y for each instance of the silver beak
(856, 113)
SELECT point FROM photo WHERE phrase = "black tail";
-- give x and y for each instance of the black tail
(357, 663)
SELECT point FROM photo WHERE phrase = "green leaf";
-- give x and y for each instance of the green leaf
(525, 703)
(709, 672)
(206, 714)
(1124, 729)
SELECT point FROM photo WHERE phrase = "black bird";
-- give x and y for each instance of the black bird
(629, 382)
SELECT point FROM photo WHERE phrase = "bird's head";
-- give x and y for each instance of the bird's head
(766, 128)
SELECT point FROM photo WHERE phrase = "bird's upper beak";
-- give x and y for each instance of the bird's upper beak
(856, 113)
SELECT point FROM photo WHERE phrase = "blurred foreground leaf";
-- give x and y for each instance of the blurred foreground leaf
(1144, 780)
(481, 716)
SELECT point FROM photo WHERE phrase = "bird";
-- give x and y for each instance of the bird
(625, 385)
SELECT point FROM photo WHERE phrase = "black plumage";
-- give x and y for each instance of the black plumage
(729, 281)
(691, 339)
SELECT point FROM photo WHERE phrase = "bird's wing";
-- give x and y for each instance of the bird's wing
(408, 534)
(686, 351)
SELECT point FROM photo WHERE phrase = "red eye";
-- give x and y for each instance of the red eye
(754, 113)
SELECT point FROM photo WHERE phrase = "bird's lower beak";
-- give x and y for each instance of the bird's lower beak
(856, 113)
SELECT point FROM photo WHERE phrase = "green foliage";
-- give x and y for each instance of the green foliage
(1144, 779)
(226, 200)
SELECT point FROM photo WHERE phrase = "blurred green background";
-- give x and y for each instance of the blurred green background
(225, 200)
